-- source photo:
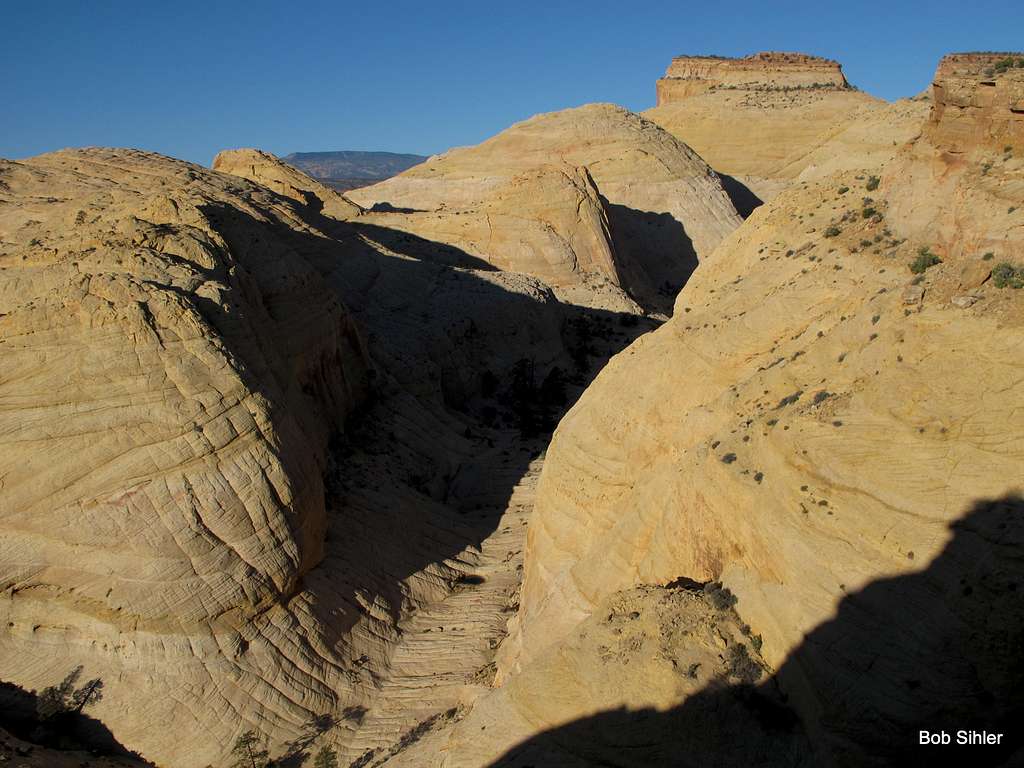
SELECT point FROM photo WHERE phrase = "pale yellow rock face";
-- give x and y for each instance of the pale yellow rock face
(548, 222)
(819, 432)
(267, 170)
(765, 126)
(172, 371)
(664, 207)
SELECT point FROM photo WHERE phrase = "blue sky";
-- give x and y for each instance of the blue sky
(190, 78)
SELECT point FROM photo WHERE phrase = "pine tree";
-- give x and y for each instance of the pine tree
(326, 758)
(249, 751)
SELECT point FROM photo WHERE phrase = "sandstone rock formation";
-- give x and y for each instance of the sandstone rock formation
(830, 436)
(689, 76)
(766, 119)
(971, 156)
(221, 551)
(172, 373)
(531, 199)
(267, 170)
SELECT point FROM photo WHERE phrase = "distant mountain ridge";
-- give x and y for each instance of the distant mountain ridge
(349, 169)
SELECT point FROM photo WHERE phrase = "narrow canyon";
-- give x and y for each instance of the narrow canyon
(689, 437)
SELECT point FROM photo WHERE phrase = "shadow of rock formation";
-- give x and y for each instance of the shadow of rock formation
(655, 256)
(742, 196)
(64, 731)
(473, 369)
(938, 650)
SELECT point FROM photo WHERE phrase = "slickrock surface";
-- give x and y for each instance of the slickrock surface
(502, 201)
(221, 551)
(265, 169)
(834, 439)
(172, 373)
(765, 120)
(549, 222)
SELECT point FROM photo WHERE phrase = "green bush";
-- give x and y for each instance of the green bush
(1007, 275)
(832, 231)
(925, 260)
(872, 184)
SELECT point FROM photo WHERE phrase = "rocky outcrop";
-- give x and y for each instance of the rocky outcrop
(808, 435)
(664, 207)
(971, 156)
(689, 76)
(549, 222)
(267, 170)
(979, 102)
(766, 120)
(173, 372)
(221, 551)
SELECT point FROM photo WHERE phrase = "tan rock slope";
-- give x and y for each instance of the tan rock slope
(221, 551)
(829, 433)
(266, 170)
(768, 118)
(510, 201)
(172, 373)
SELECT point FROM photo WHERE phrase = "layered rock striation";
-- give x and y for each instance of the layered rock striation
(766, 120)
(808, 440)
(594, 192)
(689, 76)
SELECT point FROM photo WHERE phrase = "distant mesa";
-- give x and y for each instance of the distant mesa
(765, 120)
(350, 170)
(689, 76)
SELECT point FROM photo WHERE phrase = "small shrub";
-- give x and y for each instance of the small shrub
(741, 666)
(872, 184)
(789, 399)
(1006, 275)
(729, 458)
(720, 597)
(832, 231)
(925, 260)
(843, 190)
(988, 256)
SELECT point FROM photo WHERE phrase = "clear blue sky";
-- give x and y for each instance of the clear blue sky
(189, 78)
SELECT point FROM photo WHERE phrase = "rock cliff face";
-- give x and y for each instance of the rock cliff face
(979, 102)
(769, 119)
(808, 434)
(173, 371)
(689, 76)
(971, 156)
(664, 207)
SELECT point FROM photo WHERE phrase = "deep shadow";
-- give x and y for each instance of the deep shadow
(655, 256)
(940, 649)
(385, 207)
(66, 731)
(743, 198)
(429, 453)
